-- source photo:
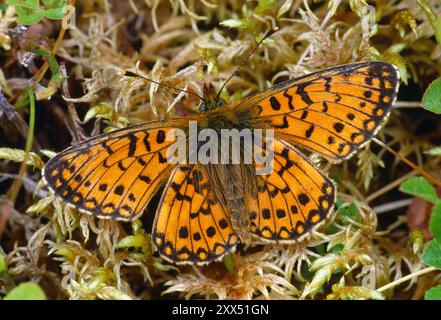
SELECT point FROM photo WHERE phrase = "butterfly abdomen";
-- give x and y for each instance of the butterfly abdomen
(235, 198)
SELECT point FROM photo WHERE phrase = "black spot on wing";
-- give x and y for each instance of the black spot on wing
(132, 145)
(275, 104)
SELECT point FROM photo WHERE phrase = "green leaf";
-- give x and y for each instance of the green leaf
(28, 16)
(332, 229)
(342, 292)
(31, 4)
(432, 254)
(56, 9)
(31, 12)
(229, 262)
(432, 97)
(419, 187)
(402, 18)
(102, 110)
(3, 266)
(321, 249)
(133, 241)
(237, 23)
(434, 151)
(54, 67)
(337, 248)
(433, 293)
(26, 291)
(435, 221)
(53, 3)
(55, 81)
(416, 238)
(48, 153)
(56, 13)
(16, 155)
(41, 206)
(163, 267)
(349, 211)
(339, 203)
(263, 6)
(438, 30)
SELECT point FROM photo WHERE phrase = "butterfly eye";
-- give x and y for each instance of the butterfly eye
(211, 105)
(221, 102)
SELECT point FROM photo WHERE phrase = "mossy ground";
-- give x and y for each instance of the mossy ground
(375, 239)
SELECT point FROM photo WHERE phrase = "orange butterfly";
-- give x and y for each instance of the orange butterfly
(205, 210)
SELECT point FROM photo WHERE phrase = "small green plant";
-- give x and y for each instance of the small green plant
(26, 291)
(432, 257)
(420, 187)
(56, 76)
(432, 97)
(30, 12)
(433, 19)
(3, 267)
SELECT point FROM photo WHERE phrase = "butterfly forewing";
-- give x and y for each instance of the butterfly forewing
(113, 175)
(333, 112)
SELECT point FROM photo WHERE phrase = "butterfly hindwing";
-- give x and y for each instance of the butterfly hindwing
(291, 200)
(191, 226)
(333, 112)
(113, 175)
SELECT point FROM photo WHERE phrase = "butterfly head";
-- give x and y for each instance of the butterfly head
(211, 100)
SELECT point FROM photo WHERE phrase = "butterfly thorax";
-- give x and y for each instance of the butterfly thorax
(217, 115)
(229, 117)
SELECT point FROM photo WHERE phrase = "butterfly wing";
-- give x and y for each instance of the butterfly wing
(333, 112)
(191, 226)
(113, 175)
(292, 200)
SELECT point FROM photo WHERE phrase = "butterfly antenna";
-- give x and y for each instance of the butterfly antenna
(267, 35)
(136, 75)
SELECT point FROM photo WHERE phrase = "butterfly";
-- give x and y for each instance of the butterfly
(206, 210)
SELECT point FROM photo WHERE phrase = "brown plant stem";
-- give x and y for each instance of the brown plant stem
(42, 71)
(406, 278)
(424, 173)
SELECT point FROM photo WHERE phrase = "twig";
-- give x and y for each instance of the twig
(390, 186)
(392, 206)
(407, 104)
(42, 71)
(424, 173)
(29, 184)
(408, 277)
